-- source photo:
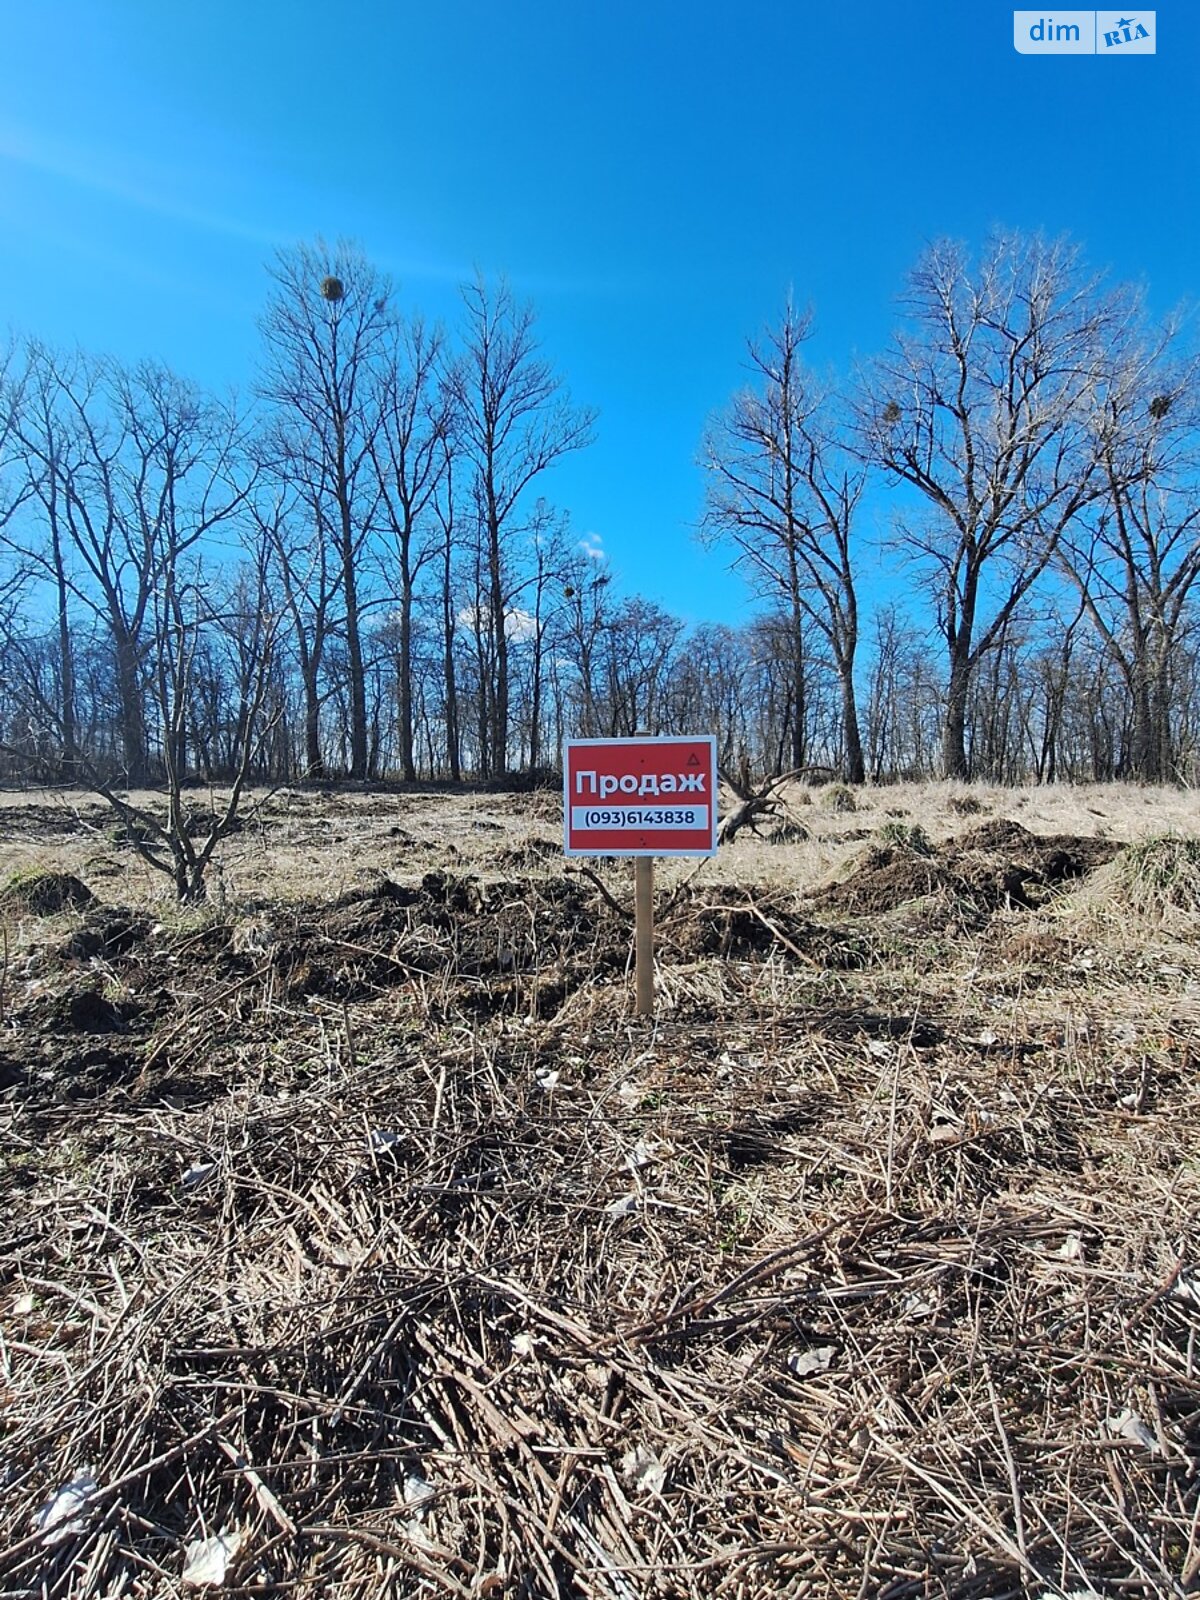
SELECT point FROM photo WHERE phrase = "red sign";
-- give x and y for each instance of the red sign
(640, 797)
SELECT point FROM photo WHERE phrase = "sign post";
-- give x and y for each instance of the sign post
(643, 935)
(641, 797)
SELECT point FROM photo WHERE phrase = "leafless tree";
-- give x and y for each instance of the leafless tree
(325, 330)
(183, 613)
(1136, 560)
(544, 606)
(128, 470)
(410, 453)
(991, 405)
(783, 491)
(514, 420)
(589, 604)
(444, 506)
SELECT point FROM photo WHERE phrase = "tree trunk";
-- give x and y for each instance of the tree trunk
(855, 767)
(498, 763)
(354, 656)
(404, 693)
(954, 729)
(535, 708)
(70, 752)
(1143, 761)
(314, 761)
(799, 691)
(133, 717)
(451, 681)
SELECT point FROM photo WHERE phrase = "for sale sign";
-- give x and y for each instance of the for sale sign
(640, 797)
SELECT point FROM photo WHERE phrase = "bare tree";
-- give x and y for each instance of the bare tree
(410, 454)
(544, 606)
(444, 510)
(991, 406)
(325, 329)
(514, 420)
(784, 493)
(183, 614)
(128, 469)
(146, 472)
(1136, 560)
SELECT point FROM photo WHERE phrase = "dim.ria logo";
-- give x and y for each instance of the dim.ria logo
(1084, 33)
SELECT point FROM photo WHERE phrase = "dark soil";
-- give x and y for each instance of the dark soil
(732, 923)
(116, 1006)
(997, 865)
(45, 894)
(108, 931)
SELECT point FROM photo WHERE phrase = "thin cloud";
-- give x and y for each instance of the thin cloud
(71, 166)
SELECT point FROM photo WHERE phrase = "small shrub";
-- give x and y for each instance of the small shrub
(906, 836)
(840, 799)
(965, 805)
(789, 831)
(1161, 872)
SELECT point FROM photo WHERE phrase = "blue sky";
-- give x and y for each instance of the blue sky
(655, 176)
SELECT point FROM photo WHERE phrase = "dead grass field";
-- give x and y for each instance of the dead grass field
(358, 1241)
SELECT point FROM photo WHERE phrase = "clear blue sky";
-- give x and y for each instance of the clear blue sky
(654, 175)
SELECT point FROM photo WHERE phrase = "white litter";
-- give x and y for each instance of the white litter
(644, 1154)
(1128, 1425)
(1071, 1248)
(523, 1345)
(383, 1139)
(196, 1174)
(643, 1470)
(546, 1080)
(806, 1362)
(418, 1492)
(206, 1561)
(60, 1517)
(918, 1305)
(945, 1133)
(23, 1305)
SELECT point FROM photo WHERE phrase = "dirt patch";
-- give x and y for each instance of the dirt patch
(533, 853)
(107, 932)
(735, 925)
(1000, 864)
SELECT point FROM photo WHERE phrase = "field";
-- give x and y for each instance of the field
(359, 1242)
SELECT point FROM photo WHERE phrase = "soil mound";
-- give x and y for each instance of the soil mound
(45, 894)
(999, 864)
(737, 926)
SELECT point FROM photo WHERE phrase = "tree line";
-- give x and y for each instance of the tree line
(360, 574)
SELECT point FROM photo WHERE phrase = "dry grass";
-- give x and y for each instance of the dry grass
(377, 1235)
(1161, 873)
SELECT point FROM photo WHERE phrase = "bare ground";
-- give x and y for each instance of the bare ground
(354, 1219)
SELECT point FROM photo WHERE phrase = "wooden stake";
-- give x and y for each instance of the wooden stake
(643, 934)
